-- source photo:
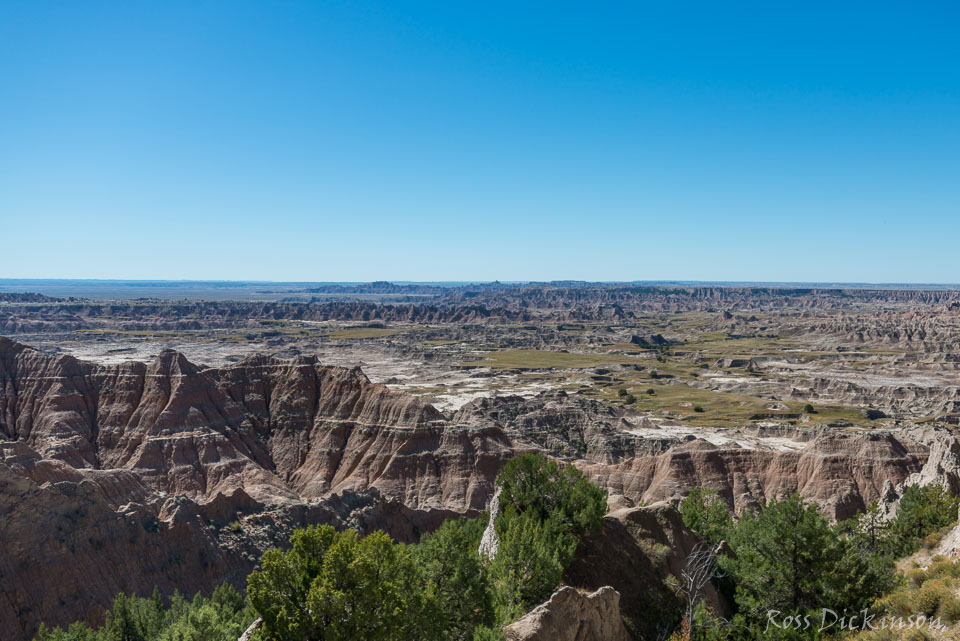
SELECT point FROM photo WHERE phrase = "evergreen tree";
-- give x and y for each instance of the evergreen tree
(529, 563)
(546, 491)
(450, 559)
(707, 514)
(922, 510)
(335, 586)
(789, 558)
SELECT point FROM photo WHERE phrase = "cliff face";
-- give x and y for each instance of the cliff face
(68, 546)
(647, 461)
(279, 429)
(122, 478)
(176, 475)
(634, 552)
(842, 472)
(67, 551)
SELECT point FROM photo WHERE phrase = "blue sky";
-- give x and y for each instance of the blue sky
(766, 141)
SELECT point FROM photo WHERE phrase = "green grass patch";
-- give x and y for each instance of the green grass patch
(720, 409)
(128, 332)
(539, 359)
(364, 332)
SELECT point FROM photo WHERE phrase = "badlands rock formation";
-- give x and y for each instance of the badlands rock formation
(571, 615)
(173, 474)
(842, 472)
(485, 304)
(650, 461)
(634, 552)
(278, 429)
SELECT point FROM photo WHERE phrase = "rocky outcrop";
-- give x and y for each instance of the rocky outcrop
(842, 472)
(67, 549)
(279, 429)
(60, 316)
(943, 461)
(571, 615)
(251, 631)
(942, 468)
(67, 553)
(173, 475)
(566, 425)
(635, 552)
(501, 303)
(489, 542)
(649, 461)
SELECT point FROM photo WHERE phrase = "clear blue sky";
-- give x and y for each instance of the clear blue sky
(767, 141)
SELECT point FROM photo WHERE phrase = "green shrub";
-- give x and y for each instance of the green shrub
(922, 511)
(941, 567)
(531, 484)
(494, 633)
(336, 586)
(546, 508)
(705, 512)
(529, 564)
(222, 617)
(789, 558)
(450, 560)
(933, 539)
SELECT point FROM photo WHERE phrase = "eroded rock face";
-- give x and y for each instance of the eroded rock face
(571, 615)
(122, 478)
(67, 552)
(278, 429)
(634, 552)
(489, 542)
(184, 474)
(942, 466)
(68, 549)
(842, 472)
(647, 461)
(566, 425)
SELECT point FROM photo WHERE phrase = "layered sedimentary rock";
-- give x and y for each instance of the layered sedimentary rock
(567, 426)
(172, 474)
(570, 615)
(496, 303)
(648, 461)
(279, 429)
(69, 546)
(842, 472)
(126, 477)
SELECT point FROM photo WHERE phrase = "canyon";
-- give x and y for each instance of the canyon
(169, 443)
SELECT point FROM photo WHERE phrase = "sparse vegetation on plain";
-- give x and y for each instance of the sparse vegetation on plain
(539, 359)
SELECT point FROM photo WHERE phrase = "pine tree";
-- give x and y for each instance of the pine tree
(707, 514)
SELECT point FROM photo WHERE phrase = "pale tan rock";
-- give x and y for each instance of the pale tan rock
(842, 472)
(489, 542)
(249, 633)
(571, 615)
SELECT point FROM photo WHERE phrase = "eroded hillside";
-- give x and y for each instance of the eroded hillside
(155, 443)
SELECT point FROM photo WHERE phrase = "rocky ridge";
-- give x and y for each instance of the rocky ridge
(173, 474)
